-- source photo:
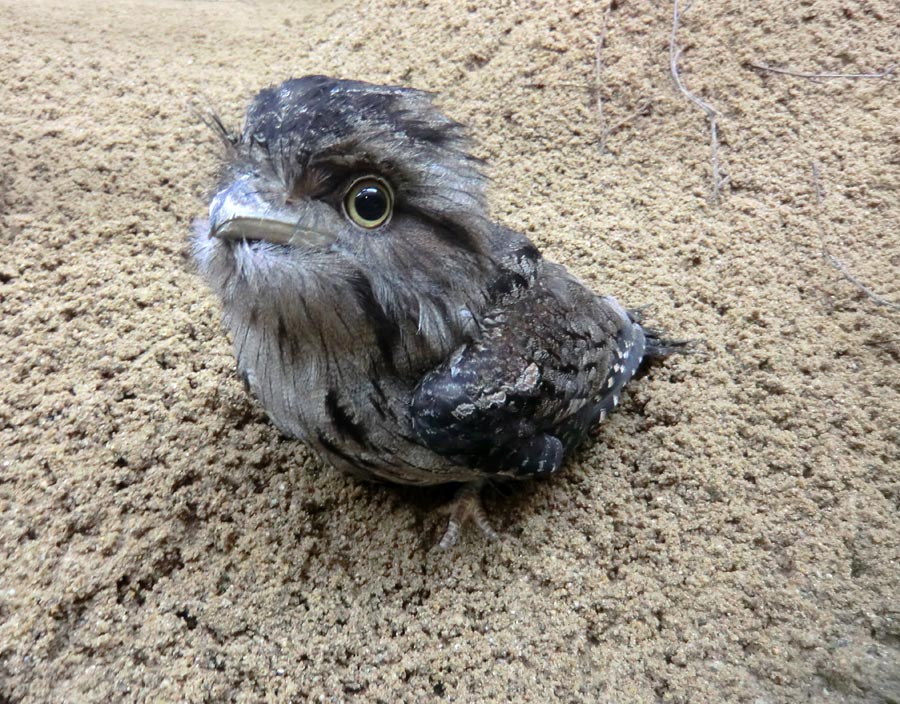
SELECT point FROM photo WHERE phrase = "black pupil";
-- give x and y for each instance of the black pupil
(371, 203)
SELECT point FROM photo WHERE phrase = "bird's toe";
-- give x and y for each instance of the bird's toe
(465, 507)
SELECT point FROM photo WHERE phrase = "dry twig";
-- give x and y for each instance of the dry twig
(643, 105)
(598, 70)
(816, 76)
(642, 109)
(711, 114)
(833, 260)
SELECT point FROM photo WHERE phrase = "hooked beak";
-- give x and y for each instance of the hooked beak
(239, 212)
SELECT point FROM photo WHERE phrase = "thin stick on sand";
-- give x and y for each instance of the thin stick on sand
(643, 108)
(598, 70)
(817, 76)
(711, 114)
(643, 105)
(833, 260)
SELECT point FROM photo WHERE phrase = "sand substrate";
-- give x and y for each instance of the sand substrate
(732, 533)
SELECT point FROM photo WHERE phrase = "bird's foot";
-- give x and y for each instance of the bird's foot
(466, 506)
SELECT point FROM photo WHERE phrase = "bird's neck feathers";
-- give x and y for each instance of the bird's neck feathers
(332, 320)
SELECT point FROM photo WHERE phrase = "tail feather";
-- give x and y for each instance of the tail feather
(634, 346)
(658, 345)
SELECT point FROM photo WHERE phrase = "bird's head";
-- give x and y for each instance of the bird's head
(335, 186)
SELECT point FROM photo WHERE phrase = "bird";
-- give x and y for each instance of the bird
(380, 315)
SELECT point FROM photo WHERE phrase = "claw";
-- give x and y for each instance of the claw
(466, 506)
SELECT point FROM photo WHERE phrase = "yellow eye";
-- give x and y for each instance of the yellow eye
(369, 202)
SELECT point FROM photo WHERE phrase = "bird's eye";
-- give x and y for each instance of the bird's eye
(369, 202)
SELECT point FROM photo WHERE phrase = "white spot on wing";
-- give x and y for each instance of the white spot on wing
(528, 379)
(463, 410)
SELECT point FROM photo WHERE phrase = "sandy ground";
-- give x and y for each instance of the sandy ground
(732, 535)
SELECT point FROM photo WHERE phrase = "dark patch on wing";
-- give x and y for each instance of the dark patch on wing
(541, 455)
(528, 251)
(505, 283)
(511, 279)
(455, 414)
(455, 419)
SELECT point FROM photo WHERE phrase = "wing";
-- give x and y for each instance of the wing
(550, 362)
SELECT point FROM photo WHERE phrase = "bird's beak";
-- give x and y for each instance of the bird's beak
(240, 212)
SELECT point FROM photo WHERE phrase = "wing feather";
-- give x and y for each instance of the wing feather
(549, 362)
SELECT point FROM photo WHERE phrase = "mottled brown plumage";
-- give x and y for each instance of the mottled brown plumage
(380, 315)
